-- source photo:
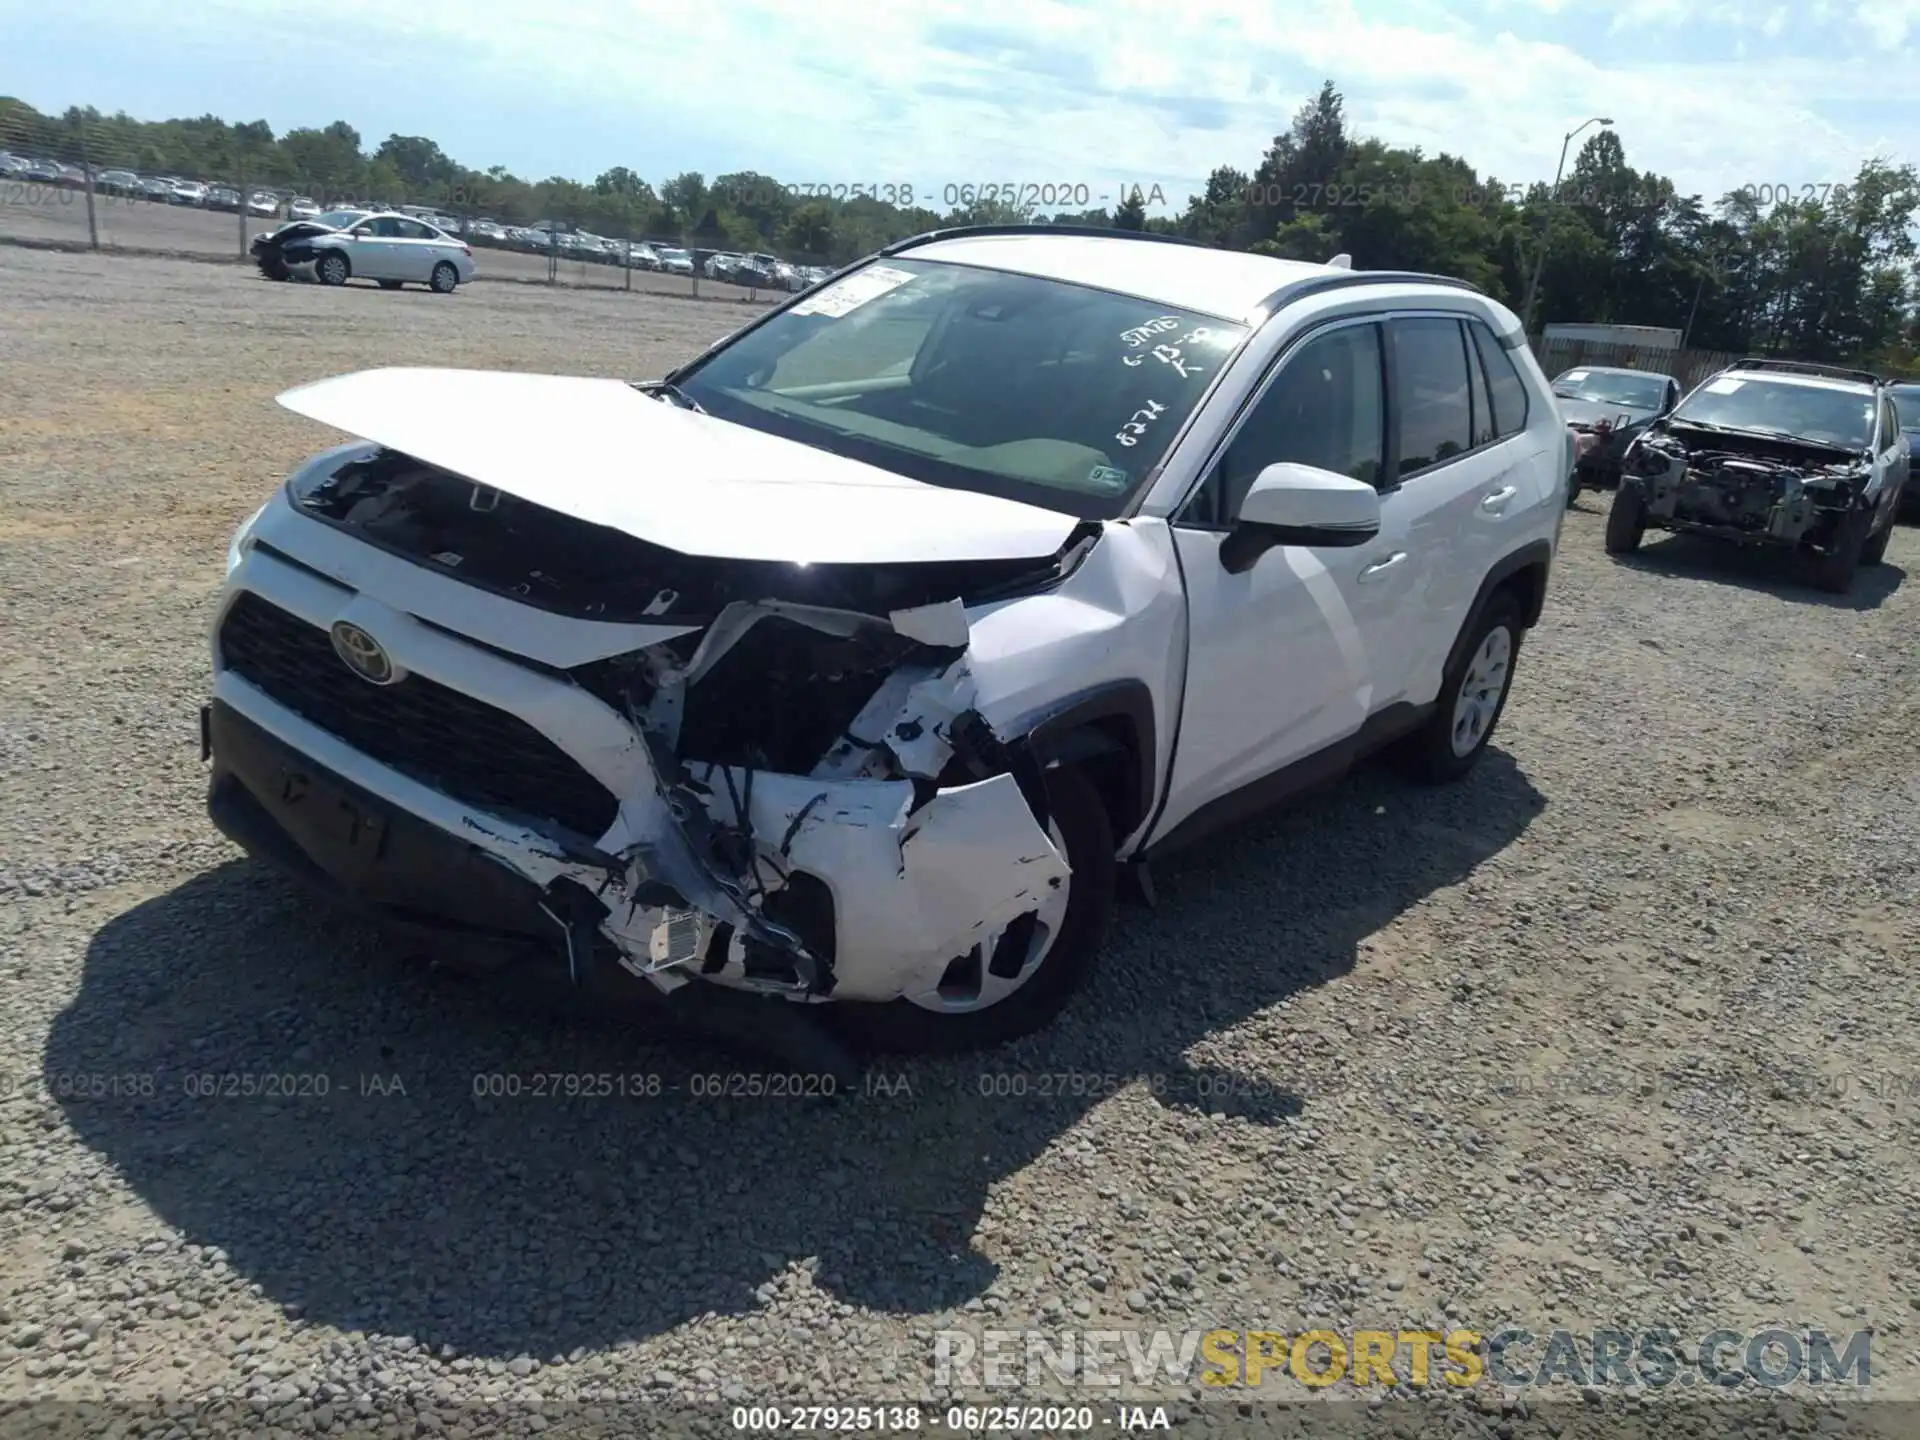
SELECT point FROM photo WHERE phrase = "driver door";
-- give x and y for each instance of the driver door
(371, 249)
(1278, 670)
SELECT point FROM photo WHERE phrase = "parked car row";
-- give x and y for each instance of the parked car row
(160, 189)
(756, 270)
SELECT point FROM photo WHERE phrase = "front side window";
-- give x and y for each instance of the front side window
(1013, 385)
(1430, 392)
(1324, 408)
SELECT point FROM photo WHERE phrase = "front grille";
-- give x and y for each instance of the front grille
(460, 746)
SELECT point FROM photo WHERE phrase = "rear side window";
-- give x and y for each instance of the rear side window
(1504, 386)
(1431, 392)
(414, 230)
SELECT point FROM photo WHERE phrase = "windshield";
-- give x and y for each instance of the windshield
(1636, 392)
(340, 219)
(1819, 413)
(1906, 405)
(1035, 390)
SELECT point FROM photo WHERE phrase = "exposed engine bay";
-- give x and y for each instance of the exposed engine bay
(810, 742)
(1756, 488)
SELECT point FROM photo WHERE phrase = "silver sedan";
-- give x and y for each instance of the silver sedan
(393, 250)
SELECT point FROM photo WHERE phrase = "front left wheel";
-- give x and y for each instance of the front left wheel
(1019, 978)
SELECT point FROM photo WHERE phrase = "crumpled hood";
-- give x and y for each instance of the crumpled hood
(602, 452)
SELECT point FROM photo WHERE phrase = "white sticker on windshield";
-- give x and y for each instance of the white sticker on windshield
(1725, 385)
(1574, 375)
(855, 290)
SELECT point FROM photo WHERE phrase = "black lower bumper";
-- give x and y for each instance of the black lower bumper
(278, 805)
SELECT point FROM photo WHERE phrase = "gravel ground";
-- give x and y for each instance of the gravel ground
(39, 213)
(1620, 1032)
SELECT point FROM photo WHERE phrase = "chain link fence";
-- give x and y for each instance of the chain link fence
(97, 186)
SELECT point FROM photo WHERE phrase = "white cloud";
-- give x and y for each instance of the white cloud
(1888, 21)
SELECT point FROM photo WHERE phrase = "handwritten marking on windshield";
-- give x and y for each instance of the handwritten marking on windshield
(1174, 354)
(1140, 334)
(1136, 425)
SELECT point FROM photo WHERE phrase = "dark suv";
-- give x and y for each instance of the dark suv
(1772, 452)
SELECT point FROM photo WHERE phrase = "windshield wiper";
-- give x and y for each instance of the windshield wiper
(671, 391)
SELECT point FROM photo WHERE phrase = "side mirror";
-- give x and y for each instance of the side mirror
(1294, 504)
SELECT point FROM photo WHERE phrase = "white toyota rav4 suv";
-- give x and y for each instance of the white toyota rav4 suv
(858, 658)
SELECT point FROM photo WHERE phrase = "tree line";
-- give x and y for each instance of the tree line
(1820, 271)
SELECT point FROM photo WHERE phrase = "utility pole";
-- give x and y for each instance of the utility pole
(1546, 225)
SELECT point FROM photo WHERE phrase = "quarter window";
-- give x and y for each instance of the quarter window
(1509, 395)
(1483, 431)
(1324, 408)
(1431, 392)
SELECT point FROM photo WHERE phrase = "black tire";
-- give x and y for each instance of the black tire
(1428, 755)
(902, 1026)
(1840, 562)
(275, 270)
(388, 284)
(1626, 521)
(1875, 550)
(333, 268)
(445, 277)
(1573, 487)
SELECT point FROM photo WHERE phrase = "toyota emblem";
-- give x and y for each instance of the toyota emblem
(362, 653)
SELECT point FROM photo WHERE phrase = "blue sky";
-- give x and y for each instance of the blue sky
(1069, 92)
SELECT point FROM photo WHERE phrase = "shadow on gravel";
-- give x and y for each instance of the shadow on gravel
(1788, 575)
(572, 1214)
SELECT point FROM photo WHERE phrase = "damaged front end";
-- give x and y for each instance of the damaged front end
(908, 842)
(810, 804)
(1754, 489)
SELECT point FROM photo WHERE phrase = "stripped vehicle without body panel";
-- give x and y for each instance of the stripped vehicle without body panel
(1774, 453)
(858, 658)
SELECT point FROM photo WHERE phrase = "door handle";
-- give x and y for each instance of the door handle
(1380, 567)
(1497, 501)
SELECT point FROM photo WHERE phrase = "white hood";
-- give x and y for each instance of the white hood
(601, 451)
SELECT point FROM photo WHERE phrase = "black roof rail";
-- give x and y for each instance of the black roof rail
(1805, 367)
(957, 232)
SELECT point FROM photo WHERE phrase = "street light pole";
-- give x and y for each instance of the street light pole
(1546, 225)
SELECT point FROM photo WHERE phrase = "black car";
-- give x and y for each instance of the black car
(1613, 404)
(1773, 453)
(271, 247)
